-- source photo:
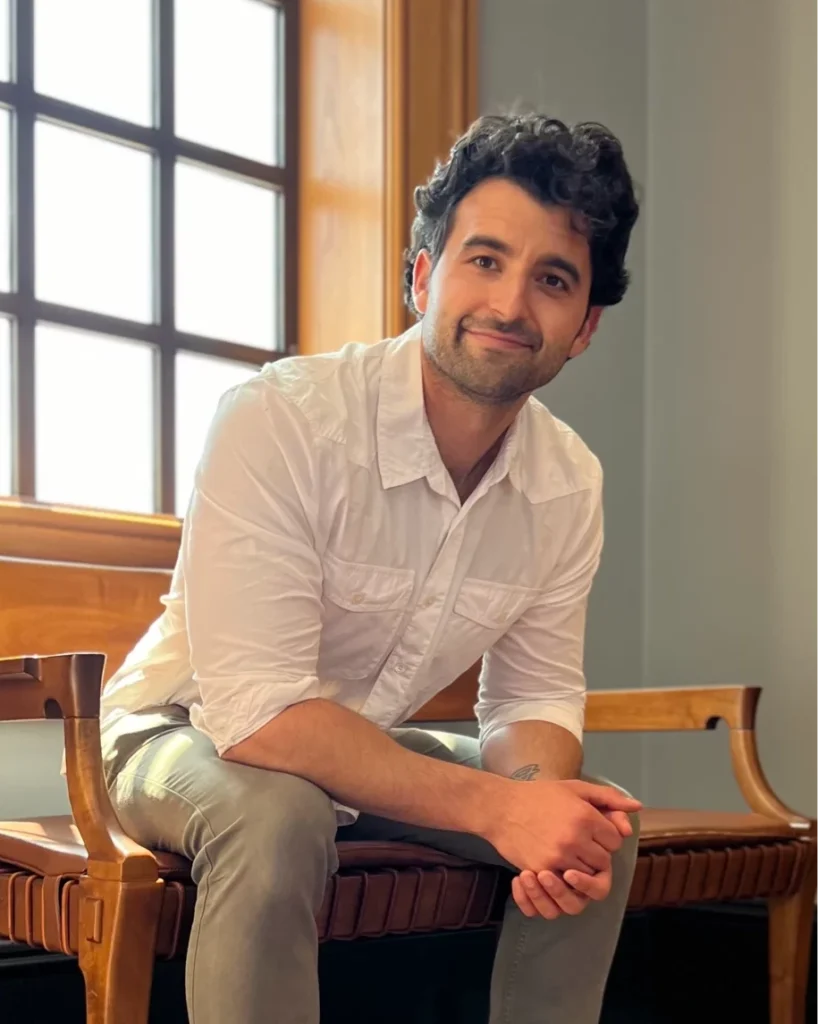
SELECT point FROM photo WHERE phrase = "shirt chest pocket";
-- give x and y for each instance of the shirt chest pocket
(482, 612)
(364, 608)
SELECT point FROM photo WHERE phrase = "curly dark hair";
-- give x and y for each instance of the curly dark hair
(580, 167)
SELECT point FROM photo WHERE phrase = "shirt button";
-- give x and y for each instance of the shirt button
(357, 598)
(428, 602)
(402, 668)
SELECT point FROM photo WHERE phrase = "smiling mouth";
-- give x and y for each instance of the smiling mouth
(502, 340)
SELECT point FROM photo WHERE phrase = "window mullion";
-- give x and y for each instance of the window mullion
(165, 395)
(23, 249)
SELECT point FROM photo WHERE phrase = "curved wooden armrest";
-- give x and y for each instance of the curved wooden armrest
(59, 686)
(664, 710)
(68, 686)
(754, 785)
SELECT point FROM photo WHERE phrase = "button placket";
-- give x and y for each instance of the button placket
(395, 694)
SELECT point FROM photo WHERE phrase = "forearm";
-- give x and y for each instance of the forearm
(359, 765)
(532, 750)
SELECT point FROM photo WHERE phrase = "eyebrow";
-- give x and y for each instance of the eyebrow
(489, 242)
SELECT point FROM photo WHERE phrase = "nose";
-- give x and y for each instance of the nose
(508, 297)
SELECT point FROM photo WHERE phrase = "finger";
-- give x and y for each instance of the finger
(595, 887)
(590, 857)
(566, 898)
(545, 906)
(521, 899)
(620, 821)
(606, 797)
(607, 836)
(587, 856)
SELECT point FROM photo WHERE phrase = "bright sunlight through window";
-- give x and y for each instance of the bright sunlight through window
(144, 185)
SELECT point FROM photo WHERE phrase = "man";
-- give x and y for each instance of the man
(364, 526)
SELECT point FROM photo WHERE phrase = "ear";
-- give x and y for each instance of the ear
(583, 339)
(421, 279)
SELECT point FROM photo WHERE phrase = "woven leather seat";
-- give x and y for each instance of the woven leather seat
(398, 888)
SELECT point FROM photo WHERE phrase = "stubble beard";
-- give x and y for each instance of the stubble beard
(495, 378)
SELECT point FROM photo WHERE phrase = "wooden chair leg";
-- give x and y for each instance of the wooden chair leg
(118, 923)
(790, 939)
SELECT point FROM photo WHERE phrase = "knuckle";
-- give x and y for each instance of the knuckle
(563, 849)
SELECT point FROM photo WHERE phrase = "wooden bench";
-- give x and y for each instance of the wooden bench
(76, 884)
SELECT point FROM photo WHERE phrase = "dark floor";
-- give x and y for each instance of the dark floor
(671, 967)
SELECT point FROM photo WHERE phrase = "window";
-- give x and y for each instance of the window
(146, 236)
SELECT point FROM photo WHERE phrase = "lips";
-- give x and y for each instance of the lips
(503, 339)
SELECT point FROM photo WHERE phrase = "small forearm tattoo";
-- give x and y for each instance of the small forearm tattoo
(527, 772)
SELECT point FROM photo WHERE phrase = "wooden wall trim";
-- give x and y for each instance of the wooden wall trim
(437, 102)
(341, 175)
(386, 86)
(396, 143)
(65, 534)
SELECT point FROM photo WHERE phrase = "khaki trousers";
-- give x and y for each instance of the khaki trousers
(262, 845)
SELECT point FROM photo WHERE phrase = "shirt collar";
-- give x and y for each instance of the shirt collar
(406, 445)
(407, 451)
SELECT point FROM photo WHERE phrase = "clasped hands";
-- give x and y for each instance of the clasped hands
(586, 877)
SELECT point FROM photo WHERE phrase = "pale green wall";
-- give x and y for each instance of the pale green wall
(586, 61)
(731, 372)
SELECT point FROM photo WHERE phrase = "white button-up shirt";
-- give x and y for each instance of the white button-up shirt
(326, 553)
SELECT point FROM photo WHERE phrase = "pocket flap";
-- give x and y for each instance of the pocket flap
(495, 605)
(359, 587)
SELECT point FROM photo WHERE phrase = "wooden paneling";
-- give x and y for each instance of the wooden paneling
(386, 87)
(397, 191)
(341, 180)
(50, 608)
(65, 534)
(433, 99)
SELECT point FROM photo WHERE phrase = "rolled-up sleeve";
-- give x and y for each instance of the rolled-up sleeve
(535, 670)
(252, 574)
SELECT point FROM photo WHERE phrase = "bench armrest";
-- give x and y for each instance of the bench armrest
(68, 686)
(666, 710)
(59, 686)
(697, 708)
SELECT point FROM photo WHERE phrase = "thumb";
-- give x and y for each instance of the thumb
(606, 797)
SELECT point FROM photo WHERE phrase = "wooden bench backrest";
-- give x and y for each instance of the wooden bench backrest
(55, 608)
(58, 607)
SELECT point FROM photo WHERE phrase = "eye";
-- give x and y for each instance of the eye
(485, 262)
(554, 281)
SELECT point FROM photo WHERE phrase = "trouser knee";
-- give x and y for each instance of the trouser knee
(274, 850)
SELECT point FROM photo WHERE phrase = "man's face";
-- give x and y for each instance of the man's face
(507, 302)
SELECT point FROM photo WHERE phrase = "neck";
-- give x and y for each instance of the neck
(468, 434)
